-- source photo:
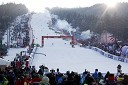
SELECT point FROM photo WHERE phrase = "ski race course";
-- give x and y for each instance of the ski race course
(60, 54)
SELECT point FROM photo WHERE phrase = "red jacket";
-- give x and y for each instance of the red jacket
(27, 63)
(18, 64)
(18, 81)
(25, 80)
(21, 81)
(37, 79)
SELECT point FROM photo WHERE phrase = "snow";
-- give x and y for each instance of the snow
(12, 53)
(3, 62)
(6, 60)
(60, 54)
(17, 24)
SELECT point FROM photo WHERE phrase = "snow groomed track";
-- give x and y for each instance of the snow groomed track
(60, 54)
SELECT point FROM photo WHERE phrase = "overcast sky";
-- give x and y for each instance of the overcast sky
(38, 5)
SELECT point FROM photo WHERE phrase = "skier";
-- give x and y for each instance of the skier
(52, 44)
(119, 71)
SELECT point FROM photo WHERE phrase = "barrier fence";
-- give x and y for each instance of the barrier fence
(111, 56)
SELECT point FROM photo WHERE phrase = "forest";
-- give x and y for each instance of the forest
(8, 12)
(97, 18)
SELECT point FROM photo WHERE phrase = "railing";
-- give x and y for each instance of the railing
(111, 56)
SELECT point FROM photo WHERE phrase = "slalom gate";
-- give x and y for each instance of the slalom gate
(70, 37)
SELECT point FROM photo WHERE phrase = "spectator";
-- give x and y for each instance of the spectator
(52, 77)
(59, 79)
(11, 77)
(125, 80)
(89, 80)
(100, 77)
(83, 77)
(120, 79)
(3, 80)
(106, 76)
(35, 80)
(111, 80)
(41, 70)
(95, 75)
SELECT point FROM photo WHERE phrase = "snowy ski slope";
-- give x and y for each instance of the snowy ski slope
(60, 54)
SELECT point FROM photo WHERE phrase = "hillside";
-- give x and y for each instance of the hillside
(60, 54)
(97, 18)
(8, 13)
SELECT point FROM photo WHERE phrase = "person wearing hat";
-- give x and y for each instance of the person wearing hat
(95, 75)
(52, 77)
(41, 70)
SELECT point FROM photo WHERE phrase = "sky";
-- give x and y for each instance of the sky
(39, 5)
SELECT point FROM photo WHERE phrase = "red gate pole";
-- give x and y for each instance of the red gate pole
(72, 41)
(42, 41)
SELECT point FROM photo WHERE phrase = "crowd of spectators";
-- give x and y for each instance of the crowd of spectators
(21, 73)
(19, 32)
(112, 48)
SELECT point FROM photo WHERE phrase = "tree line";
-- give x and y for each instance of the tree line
(97, 18)
(8, 12)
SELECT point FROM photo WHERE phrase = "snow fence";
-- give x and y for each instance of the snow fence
(111, 56)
